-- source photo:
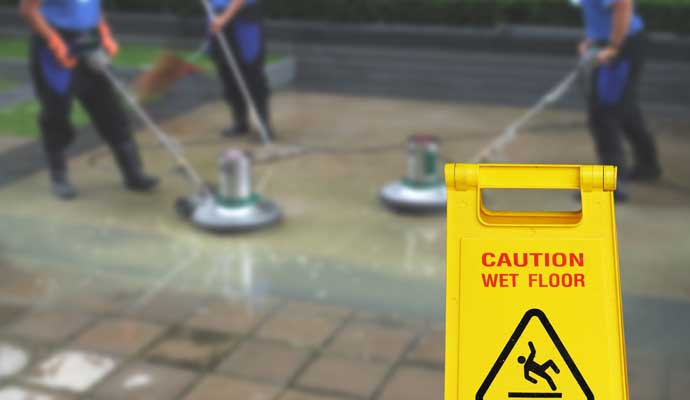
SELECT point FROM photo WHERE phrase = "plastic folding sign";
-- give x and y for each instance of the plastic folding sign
(533, 303)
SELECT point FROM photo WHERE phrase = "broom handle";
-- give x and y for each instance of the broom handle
(230, 58)
(162, 137)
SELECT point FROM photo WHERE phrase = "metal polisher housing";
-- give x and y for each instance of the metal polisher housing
(423, 190)
(234, 207)
(215, 215)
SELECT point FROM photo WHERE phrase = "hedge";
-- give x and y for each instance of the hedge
(661, 15)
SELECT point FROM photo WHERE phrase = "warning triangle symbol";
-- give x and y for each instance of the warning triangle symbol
(534, 364)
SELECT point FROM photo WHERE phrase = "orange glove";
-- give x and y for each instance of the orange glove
(61, 52)
(107, 41)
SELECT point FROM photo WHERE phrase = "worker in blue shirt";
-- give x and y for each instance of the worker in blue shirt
(614, 28)
(64, 31)
(242, 24)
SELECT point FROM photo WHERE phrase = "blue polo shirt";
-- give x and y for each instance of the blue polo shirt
(220, 5)
(75, 15)
(598, 16)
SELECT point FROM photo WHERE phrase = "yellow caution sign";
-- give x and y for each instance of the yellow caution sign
(533, 298)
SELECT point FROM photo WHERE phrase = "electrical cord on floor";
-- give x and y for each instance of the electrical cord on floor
(285, 151)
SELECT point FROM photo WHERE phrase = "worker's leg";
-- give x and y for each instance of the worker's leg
(53, 87)
(251, 44)
(231, 89)
(103, 105)
(608, 82)
(632, 120)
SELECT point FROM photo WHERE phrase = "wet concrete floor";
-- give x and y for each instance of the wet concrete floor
(341, 277)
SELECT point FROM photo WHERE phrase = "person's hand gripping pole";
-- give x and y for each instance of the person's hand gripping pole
(108, 42)
(31, 11)
(61, 51)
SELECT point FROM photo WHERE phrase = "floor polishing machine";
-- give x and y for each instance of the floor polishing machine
(232, 206)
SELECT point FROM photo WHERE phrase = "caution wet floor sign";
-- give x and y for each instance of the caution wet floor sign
(533, 298)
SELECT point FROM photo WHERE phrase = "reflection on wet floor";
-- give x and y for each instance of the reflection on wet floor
(344, 301)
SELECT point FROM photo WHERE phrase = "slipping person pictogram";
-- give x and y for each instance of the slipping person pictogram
(533, 367)
(533, 370)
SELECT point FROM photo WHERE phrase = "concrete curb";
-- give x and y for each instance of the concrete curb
(502, 39)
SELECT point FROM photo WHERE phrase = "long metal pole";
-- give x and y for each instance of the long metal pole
(510, 133)
(241, 82)
(167, 141)
(584, 67)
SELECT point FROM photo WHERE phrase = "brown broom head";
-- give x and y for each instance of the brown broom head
(168, 70)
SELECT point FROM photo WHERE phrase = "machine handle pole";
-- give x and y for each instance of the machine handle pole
(241, 82)
(162, 137)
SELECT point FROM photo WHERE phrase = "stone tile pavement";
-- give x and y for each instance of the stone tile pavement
(182, 346)
(272, 349)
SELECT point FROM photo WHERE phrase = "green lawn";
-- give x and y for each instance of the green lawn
(6, 85)
(20, 119)
(13, 48)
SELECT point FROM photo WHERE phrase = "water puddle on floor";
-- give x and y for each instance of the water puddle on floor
(72, 370)
(18, 393)
(137, 381)
(12, 360)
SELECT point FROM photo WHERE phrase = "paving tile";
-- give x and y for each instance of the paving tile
(299, 395)
(391, 319)
(123, 337)
(145, 381)
(647, 376)
(9, 313)
(412, 383)
(97, 300)
(13, 360)
(227, 317)
(304, 331)
(221, 388)
(27, 288)
(430, 349)
(300, 308)
(167, 307)
(265, 361)
(192, 348)
(371, 341)
(22, 393)
(304, 324)
(343, 376)
(71, 370)
(49, 325)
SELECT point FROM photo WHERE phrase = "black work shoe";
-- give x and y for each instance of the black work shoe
(142, 183)
(129, 161)
(62, 188)
(645, 174)
(236, 130)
